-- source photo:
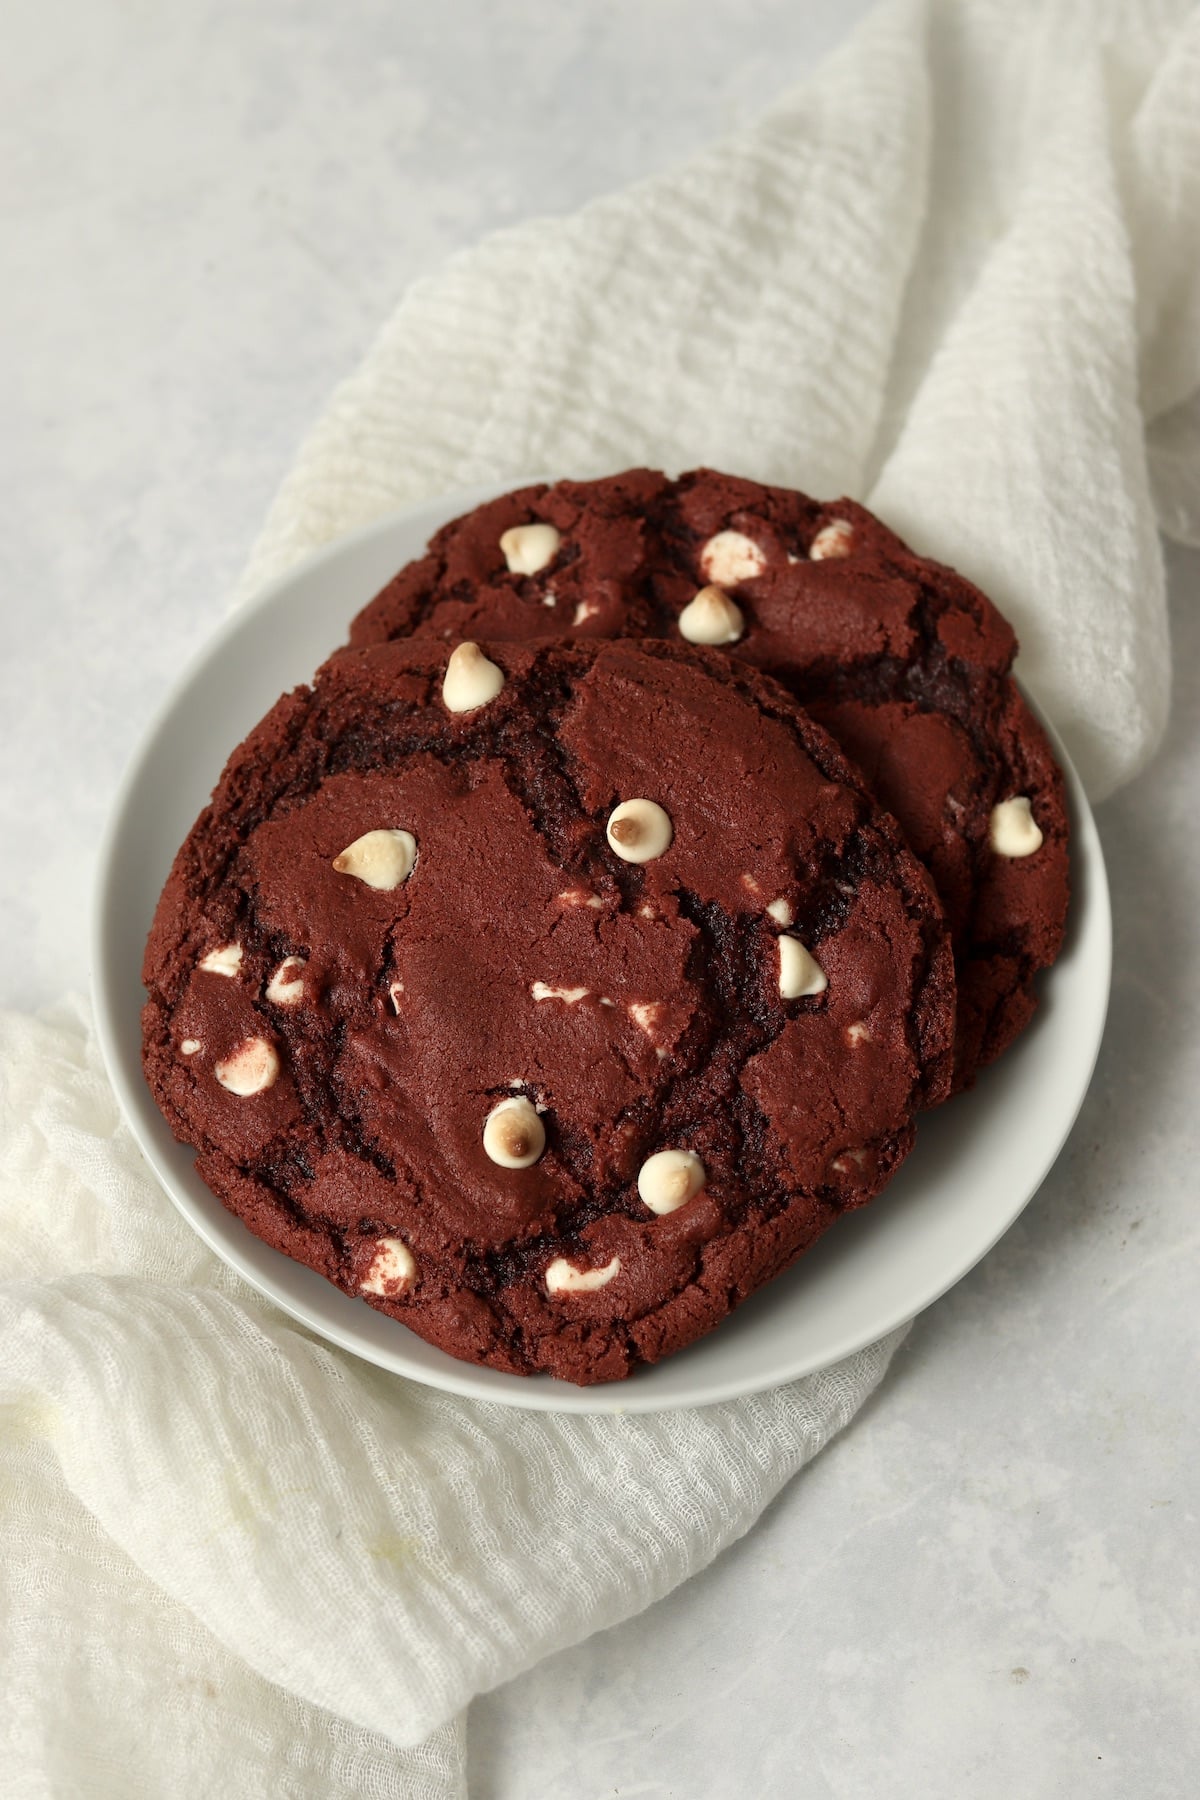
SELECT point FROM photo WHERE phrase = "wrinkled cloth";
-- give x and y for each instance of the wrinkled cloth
(377, 1550)
(953, 275)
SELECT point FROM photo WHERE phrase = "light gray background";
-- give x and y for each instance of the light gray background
(987, 1586)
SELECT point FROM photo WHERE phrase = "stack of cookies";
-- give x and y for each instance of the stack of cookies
(587, 938)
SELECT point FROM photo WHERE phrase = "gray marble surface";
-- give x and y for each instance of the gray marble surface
(987, 1586)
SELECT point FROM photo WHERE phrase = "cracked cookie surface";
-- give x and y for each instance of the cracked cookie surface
(905, 662)
(450, 1018)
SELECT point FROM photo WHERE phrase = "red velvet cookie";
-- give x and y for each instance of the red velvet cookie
(552, 998)
(902, 659)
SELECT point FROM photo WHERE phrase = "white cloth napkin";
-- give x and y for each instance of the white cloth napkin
(955, 275)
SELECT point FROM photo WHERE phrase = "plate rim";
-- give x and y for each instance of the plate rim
(468, 1380)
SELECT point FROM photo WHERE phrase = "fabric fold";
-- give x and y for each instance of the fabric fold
(1162, 174)
(264, 1480)
(113, 1688)
(1022, 459)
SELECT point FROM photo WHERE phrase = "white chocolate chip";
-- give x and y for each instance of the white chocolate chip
(395, 989)
(470, 680)
(513, 1135)
(286, 986)
(1013, 830)
(781, 912)
(646, 1014)
(639, 830)
(711, 618)
(529, 548)
(833, 540)
(563, 1277)
(849, 1161)
(586, 609)
(226, 960)
(380, 859)
(857, 1033)
(750, 884)
(572, 996)
(800, 974)
(549, 598)
(250, 1069)
(669, 1179)
(189, 1046)
(392, 1269)
(646, 911)
(580, 897)
(730, 557)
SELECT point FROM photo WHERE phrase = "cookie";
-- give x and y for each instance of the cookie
(906, 663)
(551, 998)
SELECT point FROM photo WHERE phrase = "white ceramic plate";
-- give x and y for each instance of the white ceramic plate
(976, 1164)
